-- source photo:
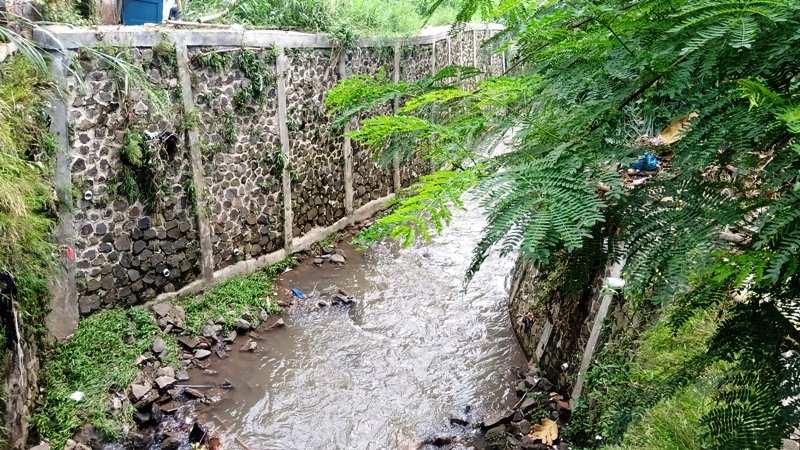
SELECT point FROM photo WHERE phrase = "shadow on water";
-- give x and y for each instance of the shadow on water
(387, 371)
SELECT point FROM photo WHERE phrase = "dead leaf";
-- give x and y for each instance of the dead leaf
(674, 131)
(545, 431)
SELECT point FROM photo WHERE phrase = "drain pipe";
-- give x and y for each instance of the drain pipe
(613, 281)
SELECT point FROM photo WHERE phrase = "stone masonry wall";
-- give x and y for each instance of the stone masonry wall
(230, 155)
(238, 142)
(315, 155)
(123, 247)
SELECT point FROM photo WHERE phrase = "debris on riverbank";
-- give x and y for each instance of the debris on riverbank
(533, 423)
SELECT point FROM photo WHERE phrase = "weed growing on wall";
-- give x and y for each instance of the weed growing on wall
(27, 204)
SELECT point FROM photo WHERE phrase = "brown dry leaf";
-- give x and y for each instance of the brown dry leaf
(674, 131)
(545, 431)
(214, 443)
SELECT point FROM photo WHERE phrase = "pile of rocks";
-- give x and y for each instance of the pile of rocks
(330, 255)
(534, 422)
(331, 296)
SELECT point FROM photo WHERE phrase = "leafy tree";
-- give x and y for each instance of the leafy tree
(712, 87)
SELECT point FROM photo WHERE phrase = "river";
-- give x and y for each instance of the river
(388, 371)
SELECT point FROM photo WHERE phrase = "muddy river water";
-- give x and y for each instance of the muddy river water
(388, 371)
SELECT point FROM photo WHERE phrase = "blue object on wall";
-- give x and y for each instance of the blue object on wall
(139, 12)
(647, 161)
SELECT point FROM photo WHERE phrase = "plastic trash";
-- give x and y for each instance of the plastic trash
(76, 396)
(298, 293)
(647, 161)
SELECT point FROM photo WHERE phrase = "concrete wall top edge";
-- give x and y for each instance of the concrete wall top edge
(147, 36)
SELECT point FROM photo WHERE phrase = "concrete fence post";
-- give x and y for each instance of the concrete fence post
(281, 66)
(196, 156)
(62, 320)
(347, 151)
(395, 107)
(449, 51)
(433, 58)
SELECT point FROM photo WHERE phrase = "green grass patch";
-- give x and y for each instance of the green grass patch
(673, 423)
(231, 298)
(336, 17)
(629, 371)
(97, 361)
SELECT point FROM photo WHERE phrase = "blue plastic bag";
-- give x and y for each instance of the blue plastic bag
(647, 161)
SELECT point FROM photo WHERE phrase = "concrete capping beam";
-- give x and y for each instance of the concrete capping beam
(62, 320)
(347, 150)
(149, 35)
(303, 243)
(198, 176)
(281, 66)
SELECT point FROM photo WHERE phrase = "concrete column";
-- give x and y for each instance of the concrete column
(282, 65)
(449, 51)
(62, 320)
(433, 58)
(594, 336)
(474, 49)
(196, 156)
(395, 107)
(347, 151)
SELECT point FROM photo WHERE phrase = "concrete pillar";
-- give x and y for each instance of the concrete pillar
(449, 51)
(196, 156)
(395, 107)
(62, 320)
(281, 66)
(594, 336)
(433, 58)
(347, 151)
(474, 49)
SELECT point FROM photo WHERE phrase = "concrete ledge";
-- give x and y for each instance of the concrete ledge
(300, 244)
(150, 35)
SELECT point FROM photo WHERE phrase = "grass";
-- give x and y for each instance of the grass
(230, 299)
(26, 202)
(672, 424)
(97, 361)
(626, 373)
(337, 17)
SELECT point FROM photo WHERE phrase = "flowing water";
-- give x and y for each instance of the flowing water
(387, 371)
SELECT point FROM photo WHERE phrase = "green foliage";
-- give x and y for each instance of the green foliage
(143, 172)
(231, 298)
(591, 86)
(215, 60)
(260, 73)
(342, 19)
(229, 129)
(99, 362)
(26, 201)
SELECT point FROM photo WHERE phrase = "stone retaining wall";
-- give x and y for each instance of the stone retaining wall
(247, 179)
(561, 336)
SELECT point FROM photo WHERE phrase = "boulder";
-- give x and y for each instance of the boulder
(139, 390)
(241, 324)
(202, 354)
(337, 259)
(497, 418)
(159, 345)
(182, 375)
(164, 382)
(187, 342)
(166, 372)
